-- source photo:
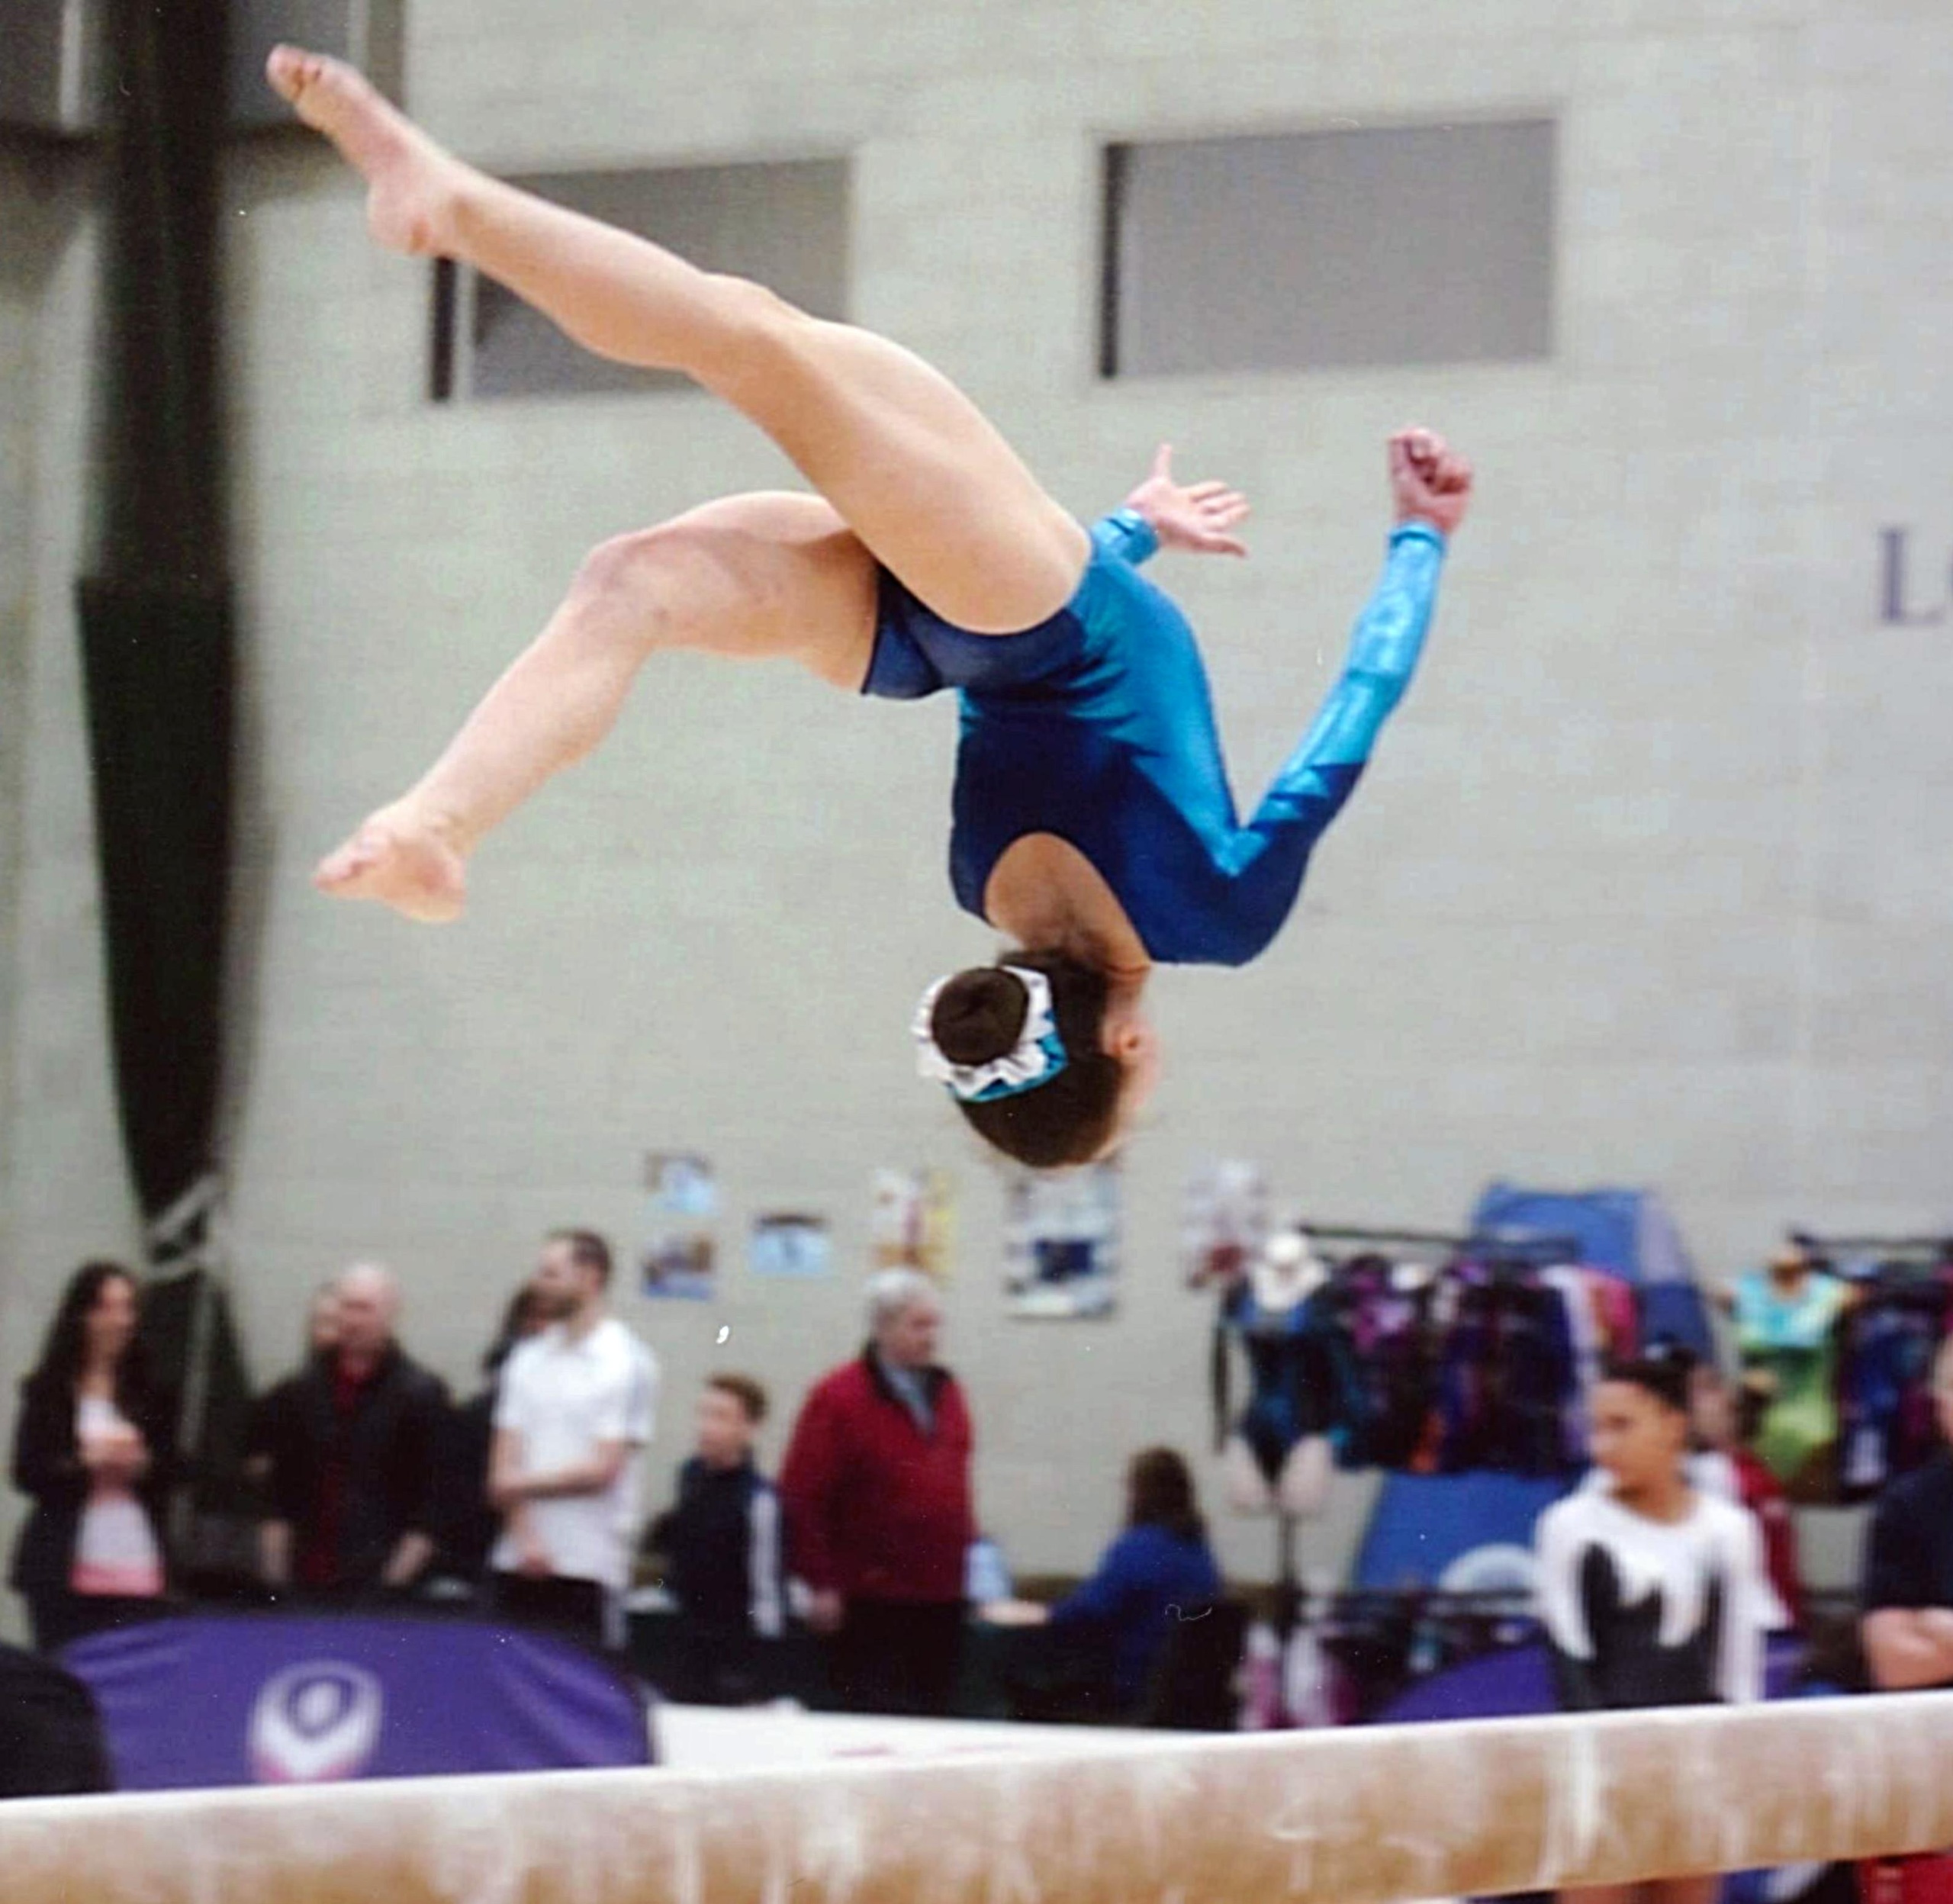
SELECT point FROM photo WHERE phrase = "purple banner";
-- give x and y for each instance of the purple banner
(1516, 1682)
(268, 1699)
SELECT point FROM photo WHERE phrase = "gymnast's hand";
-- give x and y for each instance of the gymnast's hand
(1196, 520)
(1429, 481)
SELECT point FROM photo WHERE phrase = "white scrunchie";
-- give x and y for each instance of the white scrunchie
(1039, 1052)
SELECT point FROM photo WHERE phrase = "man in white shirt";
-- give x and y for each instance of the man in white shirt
(574, 1416)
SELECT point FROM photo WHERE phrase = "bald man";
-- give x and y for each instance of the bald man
(353, 1474)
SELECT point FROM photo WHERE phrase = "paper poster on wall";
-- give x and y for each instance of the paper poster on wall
(1061, 1243)
(909, 1222)
(679, 1256)
(1226, 1222)
(789, 1243)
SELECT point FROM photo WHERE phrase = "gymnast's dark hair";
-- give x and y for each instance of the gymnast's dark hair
(979, 1016)
(1662, 1370)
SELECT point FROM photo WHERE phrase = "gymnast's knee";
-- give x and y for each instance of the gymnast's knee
(633, 588)
(759, 336)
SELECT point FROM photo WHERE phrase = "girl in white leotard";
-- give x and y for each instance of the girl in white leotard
(1652, 1593)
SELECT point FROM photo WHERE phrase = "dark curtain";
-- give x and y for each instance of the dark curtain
(192, 1343)
(156, 634)
(155, 613)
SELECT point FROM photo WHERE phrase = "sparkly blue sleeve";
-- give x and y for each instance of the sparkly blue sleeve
(1126, 534)
(1268, 855)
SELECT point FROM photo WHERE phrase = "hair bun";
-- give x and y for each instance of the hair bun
(980, 1016)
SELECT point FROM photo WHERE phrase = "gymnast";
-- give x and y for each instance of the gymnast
(1092, 819)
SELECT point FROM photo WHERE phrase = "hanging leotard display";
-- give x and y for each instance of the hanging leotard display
(1786, 1335)
(1482, 1363)
(1301, 1382)
(1887, 1423)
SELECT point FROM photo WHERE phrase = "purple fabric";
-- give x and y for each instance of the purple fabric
(210, 1699)
(1518, 1682)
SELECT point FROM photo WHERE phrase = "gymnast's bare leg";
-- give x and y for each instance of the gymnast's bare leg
(897, 453)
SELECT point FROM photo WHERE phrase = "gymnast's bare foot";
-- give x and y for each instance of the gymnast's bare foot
(402, 861)
(413, 182)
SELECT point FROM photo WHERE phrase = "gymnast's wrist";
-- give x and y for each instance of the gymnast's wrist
(1421, 528)
(1141, 531)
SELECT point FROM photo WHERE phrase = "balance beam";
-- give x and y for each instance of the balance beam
(1362, 1815)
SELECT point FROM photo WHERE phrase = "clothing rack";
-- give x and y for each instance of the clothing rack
(1560, 1248)
(1878, 1421)
(1472, 1359)
(1894, 1245)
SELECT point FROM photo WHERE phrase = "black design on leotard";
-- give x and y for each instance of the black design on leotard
(1647, 1613)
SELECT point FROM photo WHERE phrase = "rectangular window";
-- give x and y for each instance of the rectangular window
(1328, 250)
(784, 224)
(55, 67)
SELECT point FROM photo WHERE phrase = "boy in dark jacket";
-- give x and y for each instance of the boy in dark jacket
(724, 1558)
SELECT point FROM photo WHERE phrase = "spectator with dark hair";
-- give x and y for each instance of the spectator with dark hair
(1103, 1640)
(1905, 1629)
(92, 1446)
(272, 1413)
(723, 1554)
(1907, 1594)
(353, 1462)
(469, 1525)
(875, 1485)
(1159, 1569)
(573, 1414)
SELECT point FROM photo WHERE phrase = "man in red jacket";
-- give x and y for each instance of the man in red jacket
(875, 1485)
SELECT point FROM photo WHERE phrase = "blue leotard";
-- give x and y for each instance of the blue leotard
(1097, 726)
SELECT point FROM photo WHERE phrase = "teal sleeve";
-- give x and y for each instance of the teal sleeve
(1388, 638)
(1268, 855)
(1126, 534)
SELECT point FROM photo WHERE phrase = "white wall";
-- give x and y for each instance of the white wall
(1647, 886)
(17, 300)
(63, 1189)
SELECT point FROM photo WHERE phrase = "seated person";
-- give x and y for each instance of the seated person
(1103, 1641)
(723, 1558)
(1907, 1594)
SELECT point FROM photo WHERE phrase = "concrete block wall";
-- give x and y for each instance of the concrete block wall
(63, 1189)
(18, 305)
(64, 1194)
(1646, 885)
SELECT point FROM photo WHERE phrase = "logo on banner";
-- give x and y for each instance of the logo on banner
(1498, 1567)
(316, 1722)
